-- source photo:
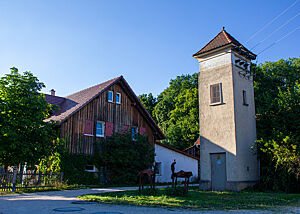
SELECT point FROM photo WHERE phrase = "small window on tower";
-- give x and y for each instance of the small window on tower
(245, 103)
(216, 94)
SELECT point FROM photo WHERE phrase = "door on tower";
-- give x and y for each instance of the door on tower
(218, 171)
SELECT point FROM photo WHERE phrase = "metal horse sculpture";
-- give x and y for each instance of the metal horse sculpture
(180, 174)
(149, 173)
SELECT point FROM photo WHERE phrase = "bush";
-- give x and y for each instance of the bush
(124, 158)
(73, 166)
(120, 157)
(280, 163)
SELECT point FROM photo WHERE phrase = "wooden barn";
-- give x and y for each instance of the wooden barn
(89, 116)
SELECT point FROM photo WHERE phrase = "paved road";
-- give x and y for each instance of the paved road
(46, 202)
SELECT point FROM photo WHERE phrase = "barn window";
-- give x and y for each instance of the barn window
(216, 93)
(118, 98)
(100, 128)
(90, 168)
(245, 103)
(88, 128)
(134, 131)
(110, 96)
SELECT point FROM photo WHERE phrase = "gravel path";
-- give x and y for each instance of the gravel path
(46, 202)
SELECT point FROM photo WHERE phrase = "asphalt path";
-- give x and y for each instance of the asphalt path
(53, 201)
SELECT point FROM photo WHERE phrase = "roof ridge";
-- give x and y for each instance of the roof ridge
(53, 95)
(102, 83)
(225, 33)
(208, 43)
(222, 40)
(142, 105)
(176, 150)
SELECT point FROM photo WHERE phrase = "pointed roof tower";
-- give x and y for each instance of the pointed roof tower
(224, 40)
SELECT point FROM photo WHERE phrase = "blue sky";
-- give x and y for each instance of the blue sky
(72, 45)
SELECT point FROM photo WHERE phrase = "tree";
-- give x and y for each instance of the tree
(149, 102)
(277, 94)
(277, 99)
(177, 111)
(24, 136)
(183, 129)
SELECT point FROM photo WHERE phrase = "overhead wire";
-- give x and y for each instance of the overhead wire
(273, 20)
(279, 40)
(275, 31)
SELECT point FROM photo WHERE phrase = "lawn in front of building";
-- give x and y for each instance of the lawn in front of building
(197, 199)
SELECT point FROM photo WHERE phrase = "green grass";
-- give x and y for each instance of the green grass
(197, 199)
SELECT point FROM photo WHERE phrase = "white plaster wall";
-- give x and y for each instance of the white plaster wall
(183, 162)
(217, 125)
(245, 126)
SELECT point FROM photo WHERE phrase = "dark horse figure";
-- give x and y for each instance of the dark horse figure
(149, 173)
(180, 174)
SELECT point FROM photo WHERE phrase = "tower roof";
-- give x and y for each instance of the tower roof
(221, 40)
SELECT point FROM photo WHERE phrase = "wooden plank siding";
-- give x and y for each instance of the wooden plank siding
(125, 114)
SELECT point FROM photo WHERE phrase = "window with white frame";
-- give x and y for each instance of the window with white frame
(118, 98)
(216, 94)
(100, 129)
(110, 96)
(134, 131)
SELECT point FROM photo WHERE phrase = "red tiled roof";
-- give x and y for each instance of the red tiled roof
(54, 100)
(176, 150)
(74, 102)
(221, 40)
(197, 142)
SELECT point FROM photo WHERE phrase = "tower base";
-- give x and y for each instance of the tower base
(230, 185)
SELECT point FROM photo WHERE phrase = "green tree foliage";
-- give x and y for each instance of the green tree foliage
(277, 99)
(124, 158)
(177, 111)
(24, 136)
(149, 102)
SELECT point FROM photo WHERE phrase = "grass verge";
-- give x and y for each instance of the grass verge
(197, 199)
(67, 187)
(44, 189)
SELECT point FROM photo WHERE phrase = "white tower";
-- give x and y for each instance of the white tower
(227, 115)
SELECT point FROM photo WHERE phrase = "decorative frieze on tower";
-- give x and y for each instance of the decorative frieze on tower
(227, 115)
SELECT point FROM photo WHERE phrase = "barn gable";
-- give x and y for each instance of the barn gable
(90, 115)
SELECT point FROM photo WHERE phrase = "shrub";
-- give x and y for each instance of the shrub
(124, 158)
